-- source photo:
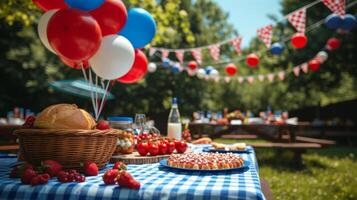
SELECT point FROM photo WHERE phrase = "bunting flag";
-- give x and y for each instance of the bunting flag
(227, 79)
(196, 53)
(271, 77)
(236, 42)
(265, 34)
(298, 19)
(240, 79)
(261, 77)
(336, 6)
(180, 55)
(305, 67)
(216, 79)
(152, 51)
(214, 51)
(250, 79)
(281, 75)
(164, 53)
(296, 71)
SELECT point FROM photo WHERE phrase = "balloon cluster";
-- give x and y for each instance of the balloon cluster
(101, 34)
(345, 23)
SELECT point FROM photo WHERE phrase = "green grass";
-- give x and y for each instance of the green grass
(329, 173)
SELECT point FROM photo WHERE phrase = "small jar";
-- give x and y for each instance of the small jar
(123, 123)
(126, 142)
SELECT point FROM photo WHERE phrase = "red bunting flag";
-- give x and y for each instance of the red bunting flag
(305, 67)
(261, 77)
(236, 42)
(296, 71)
(152, 51)
(214, 51)
(164, 53)
(281, 75)
(336, 6)
(250, 79)
(298, 19)
(180, 55)
(265, 34)
(271, 77)
(240, 79)
(196, 53)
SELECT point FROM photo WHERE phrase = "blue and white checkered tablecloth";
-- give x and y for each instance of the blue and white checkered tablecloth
(156, 183)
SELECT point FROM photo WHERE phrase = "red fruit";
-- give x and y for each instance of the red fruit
(81, 179)
(71, 177)
(143, 148)
(162, 148)
(119, 166)
(30, 120)
(170, 147)
(103, 125)
(90, 169)
(36, 180)
(110, 176)
(51, 167)
(28, 175)
(153, 149)
(124, 179)
(63, 176)
(44, 178)
(181, 146)
(14, 172)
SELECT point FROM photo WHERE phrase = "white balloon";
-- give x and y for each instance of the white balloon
(152, 67)
(214, 73)
(114, 58)
(201, 73)
(322, 56)
(42, 28)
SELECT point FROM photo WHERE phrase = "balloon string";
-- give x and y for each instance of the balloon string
(103, 98)
(91, 93)
(96, 92)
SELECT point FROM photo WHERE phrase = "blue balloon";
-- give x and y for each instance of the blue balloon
(349, 22)
(84, 4)
(276, 49)
(166, 62)
(208, 69)
(333, 21)
(140, 27)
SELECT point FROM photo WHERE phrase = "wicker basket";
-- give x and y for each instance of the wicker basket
(69, 147)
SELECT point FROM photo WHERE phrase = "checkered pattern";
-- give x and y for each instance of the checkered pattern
(336, 6)
(271, 77)
(214, 51)
(281, 75)
(236, 42)
(298, 19)
(296, 71)
(152, 51)
(196, 53)
(261, 77)
(156, 183)
(305, 68)
(164, 53)
(180, 55)
(265, 34)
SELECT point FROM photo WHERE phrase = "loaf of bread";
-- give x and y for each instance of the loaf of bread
(64, 116)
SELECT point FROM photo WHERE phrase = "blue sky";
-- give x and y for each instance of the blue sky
(249, 15)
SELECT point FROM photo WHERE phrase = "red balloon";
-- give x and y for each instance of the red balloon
(138, 70)
(252, 60)
(314, 65)
(73, 64)
(231, 69)
(74, 34)
(192, 65)
(299, 40)
(111, 16)
(46, 5)
(333, 43)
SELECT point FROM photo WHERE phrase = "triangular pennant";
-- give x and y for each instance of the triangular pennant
(261, 77)
(336, 6)
(214, 51)
(152, 51)
(296, 71)
(164, 53)
(281, 75)
(240, 79)
(265, 34)
(236, 42)
(227, 79)
(196, 53)
(298, 19)
(250, 79)
(179, 55)
(271, 77)
(305, 68)
(216, 79)
(191, 72)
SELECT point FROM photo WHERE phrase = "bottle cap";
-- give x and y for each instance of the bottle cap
(174, 100)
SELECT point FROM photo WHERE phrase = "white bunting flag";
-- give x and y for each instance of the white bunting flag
(265, 34)
(240, 79)
(214, 51)
(305, 68)
(227, 79)
(281, 75)
(296, 71)
(236, 42)
(271, 77)
(298, 19)
(261, 77)
(152, 51)
(250, 79)
(164, 53)
(196, 53)
(180, 55)
(336, 6)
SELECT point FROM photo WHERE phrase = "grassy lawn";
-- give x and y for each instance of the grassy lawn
(329, 173)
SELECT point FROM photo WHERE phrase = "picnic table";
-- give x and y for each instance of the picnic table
(157, 182)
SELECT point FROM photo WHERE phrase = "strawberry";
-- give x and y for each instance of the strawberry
(44, 178)
(51, 167)
(110, 176)
(28, 175)
(36, 180)
(90, 168)
(62, 176)
(103, 125)
(124, 179)
(17, 171)
(119, 166)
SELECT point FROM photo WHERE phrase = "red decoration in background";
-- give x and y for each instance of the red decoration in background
(333, 43)
(73, 64)
(192, 65)
(46, 5)
(180, 55)
(298, 19)
(314, 65)
(252, 60)
(164, 53)
(111, 16)
(138, 70)
(299, 40)
(231, 69)
(236, 42)
(71, 42)
(336, 6)
(214, 51)
(265, 34)
(196, 53)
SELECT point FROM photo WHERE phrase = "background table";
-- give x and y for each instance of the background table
(156, 183)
